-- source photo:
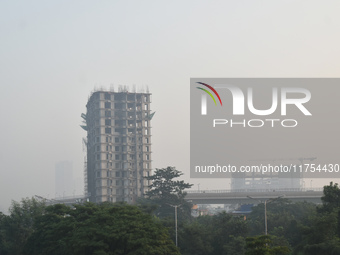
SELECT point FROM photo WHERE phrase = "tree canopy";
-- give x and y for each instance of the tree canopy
(164, 186)
(167, 192)
(115, 228)
(98, 229)
(331, 198)
(16, 227)
(265, 245)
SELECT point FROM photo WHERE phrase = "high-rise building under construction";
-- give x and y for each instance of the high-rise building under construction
(118, 145)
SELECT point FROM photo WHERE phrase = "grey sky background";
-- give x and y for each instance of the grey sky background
(54, 53)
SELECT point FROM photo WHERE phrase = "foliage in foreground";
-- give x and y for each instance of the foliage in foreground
(98, 229)
(210, 235)
(294, 228)
(18, 226)
(265, 245)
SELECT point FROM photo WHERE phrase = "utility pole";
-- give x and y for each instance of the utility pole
(265, 218)
(176, 230)
(265, 210)
(176, 223)
(175, 206)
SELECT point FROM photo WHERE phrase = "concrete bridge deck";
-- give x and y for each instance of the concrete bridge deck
(242, 196)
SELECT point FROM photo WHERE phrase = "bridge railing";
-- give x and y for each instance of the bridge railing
(255, 190)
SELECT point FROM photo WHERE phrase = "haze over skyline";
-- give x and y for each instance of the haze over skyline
(53, 54)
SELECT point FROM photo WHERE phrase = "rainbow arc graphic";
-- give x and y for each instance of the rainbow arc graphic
(209, 93)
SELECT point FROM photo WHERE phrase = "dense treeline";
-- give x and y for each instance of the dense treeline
(82, 229)
(149, 227)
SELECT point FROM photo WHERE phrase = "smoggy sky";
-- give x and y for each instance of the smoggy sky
(54, 53)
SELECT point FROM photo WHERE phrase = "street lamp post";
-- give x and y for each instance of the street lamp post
(265, 218)
(265, 210)
(176, 223)
(175, 206)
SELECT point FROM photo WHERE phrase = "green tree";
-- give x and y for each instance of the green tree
(264, 245)
(19, 225)
(331, 198)
(321, 234)
(99, 229)
(235, 246)
(167, 192)
(195, 238)
(225, 229)
(220, 234)
(331, 247)
(3, 248)
(285, 219)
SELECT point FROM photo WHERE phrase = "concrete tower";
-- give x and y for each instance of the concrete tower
(118, 145)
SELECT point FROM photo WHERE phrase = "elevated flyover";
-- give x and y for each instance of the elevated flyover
(242, 196)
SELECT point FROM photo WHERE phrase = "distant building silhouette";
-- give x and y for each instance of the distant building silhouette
(64, 183)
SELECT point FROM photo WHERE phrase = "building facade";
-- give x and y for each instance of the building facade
(118, 146)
